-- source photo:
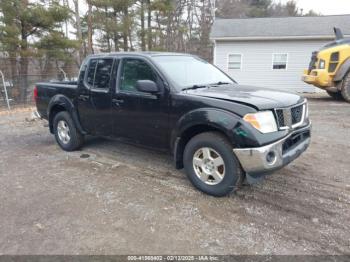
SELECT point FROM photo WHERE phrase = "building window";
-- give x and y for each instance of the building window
(280, 61)
(234, 61)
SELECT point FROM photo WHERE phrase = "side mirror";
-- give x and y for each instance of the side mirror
(147, 86)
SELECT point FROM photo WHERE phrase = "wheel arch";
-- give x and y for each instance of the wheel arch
(200, 121)
(342, 71)
(60, 103)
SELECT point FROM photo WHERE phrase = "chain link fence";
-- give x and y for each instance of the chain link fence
(19, 76)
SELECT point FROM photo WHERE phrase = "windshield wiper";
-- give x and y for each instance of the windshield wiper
(220, 83)
(194, 87)
(205, 86)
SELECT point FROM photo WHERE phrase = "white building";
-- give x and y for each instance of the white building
(272, 52)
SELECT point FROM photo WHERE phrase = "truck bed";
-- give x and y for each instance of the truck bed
(47, 90)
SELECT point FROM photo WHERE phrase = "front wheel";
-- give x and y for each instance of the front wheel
(345, 91)
(335, 95)
(211, 165)
(67, 135)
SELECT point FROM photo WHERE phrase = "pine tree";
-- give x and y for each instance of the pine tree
(21, 21)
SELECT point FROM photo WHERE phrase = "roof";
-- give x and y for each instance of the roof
(302, 27)
(142, 54)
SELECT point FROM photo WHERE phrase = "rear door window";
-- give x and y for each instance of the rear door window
(103, 73)
(91, 72)
(99, 73)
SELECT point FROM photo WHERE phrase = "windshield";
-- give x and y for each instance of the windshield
(188, 71)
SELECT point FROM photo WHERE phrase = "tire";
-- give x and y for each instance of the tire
(66, 134)
(335, 95)
(345, 90)
(230, 173)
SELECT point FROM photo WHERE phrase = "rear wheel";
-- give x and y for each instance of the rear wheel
(67, 135)
(345, 90)
(335, 95)
(211, 165)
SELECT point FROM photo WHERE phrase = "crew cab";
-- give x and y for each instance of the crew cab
(217, 130)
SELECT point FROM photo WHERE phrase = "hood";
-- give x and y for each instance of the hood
(260, 98)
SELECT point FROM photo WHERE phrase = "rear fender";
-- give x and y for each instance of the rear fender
(62, 103)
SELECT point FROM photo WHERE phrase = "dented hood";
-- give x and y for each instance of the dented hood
(260, 98)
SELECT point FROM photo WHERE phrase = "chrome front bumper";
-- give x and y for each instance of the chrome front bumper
(263, 160)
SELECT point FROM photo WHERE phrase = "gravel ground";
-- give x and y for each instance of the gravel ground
(113, 198)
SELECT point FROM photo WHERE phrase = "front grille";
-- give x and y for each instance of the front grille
(297, 114)
(290, 117)
(313, 62)
(335, 57)
(280, 117)
(332, 67)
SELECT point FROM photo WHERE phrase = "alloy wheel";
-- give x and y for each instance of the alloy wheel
(63, 132)
(209, 166)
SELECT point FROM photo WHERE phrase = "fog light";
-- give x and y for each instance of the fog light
(271, 158)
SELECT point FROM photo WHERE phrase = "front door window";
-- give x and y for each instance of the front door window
(134, 70)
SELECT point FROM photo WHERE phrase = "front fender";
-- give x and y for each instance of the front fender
(240, 133)
(61, 101)
(226, 122)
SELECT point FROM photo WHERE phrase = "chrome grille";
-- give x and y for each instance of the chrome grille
(290, 117)
(280, 117)
(297, 114)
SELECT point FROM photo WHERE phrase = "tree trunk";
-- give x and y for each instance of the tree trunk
(90, 49)
(108, 32)
(125, 27)
(24, 62)
(79, 32)
(66, 3)
(115, 34)
(143, 33)
(149, 25)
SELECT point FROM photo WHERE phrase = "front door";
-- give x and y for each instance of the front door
(140, 117)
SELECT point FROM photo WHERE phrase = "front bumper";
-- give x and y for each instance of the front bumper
(264, 160)
(317, 77)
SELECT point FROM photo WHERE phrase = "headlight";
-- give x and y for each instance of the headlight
(322, 64)
(263, 121)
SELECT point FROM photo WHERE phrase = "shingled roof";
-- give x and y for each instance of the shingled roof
(280, 27)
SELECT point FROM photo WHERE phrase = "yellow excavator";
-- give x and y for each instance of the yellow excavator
(329, 68)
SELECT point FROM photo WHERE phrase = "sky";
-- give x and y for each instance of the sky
(325, 7)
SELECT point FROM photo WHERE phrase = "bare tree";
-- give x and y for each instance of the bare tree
(79, 33)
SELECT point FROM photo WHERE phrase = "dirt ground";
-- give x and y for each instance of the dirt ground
(113, 198)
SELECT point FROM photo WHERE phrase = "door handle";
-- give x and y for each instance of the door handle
(117, 102)
(83, 97)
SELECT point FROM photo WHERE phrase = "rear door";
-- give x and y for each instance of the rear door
(100, 96)
(85, 108)
(94, 99)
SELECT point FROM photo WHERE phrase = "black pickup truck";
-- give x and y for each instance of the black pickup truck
(219, 131)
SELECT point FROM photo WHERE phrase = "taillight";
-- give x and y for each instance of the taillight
(35, 93)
